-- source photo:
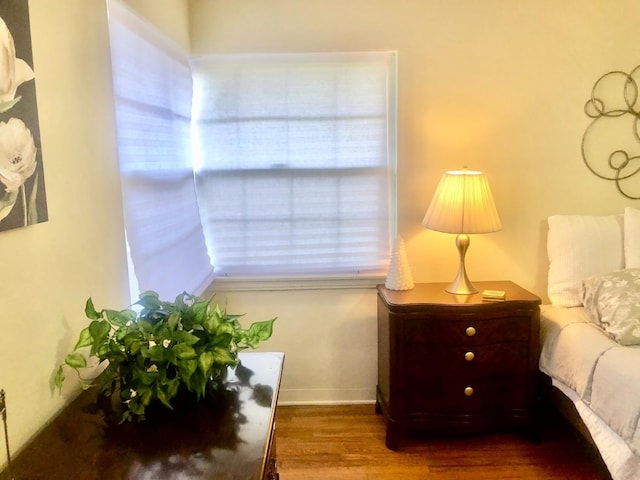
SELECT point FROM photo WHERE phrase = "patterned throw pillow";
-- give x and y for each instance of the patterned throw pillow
(613, 302)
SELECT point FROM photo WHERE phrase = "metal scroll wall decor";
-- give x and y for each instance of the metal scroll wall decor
(611, 142)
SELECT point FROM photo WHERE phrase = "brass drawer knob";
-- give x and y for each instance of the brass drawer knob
(469, 356)
(468, 391)
(470, 331)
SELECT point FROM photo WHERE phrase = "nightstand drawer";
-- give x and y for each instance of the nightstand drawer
(467, 331)
(441, 362)
(459, 397)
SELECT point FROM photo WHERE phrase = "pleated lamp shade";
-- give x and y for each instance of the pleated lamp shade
(463, 203)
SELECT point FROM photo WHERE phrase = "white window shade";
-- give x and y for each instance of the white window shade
(295, 162)
(153, 95)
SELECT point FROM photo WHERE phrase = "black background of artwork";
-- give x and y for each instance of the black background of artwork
(15, 14)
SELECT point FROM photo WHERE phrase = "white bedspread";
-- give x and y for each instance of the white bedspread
(605, 380)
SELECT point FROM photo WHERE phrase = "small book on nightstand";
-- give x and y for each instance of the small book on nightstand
(493, 295)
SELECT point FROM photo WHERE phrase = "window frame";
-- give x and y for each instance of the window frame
(226, 282)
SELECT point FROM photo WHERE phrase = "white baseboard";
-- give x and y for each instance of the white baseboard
(354, 396)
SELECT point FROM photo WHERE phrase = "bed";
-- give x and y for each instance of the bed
(590, 331)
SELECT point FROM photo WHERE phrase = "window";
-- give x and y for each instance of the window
(295, 162)
(153, 93)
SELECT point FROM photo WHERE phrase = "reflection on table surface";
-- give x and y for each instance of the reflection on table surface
(224, 436)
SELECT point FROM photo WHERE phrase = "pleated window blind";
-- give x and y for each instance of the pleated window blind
(153, 94)
(295, 161)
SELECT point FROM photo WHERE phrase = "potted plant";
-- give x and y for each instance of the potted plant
(160, 349)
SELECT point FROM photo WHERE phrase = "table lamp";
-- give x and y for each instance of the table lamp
(462, 204)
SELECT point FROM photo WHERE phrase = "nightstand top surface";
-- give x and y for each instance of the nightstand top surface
(436, 294)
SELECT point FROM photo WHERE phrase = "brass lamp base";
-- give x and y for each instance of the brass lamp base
(462, 285)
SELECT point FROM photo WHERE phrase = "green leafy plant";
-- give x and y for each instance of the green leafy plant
(160, 349)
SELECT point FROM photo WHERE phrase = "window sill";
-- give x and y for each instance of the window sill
(252, 284)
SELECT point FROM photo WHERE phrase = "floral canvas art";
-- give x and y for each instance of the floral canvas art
(22, 191)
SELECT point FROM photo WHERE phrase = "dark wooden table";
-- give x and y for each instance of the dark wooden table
(455, 363)
(228, 436)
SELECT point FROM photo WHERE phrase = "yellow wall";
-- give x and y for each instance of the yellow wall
(496, 85)
(170, 16)
(50, 269)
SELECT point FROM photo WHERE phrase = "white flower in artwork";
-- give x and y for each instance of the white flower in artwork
(17, 154)
(13, 71)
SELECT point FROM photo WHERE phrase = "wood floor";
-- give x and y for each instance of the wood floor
(347, 443)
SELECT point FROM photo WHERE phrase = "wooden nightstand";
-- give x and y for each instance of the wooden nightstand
(455, 363)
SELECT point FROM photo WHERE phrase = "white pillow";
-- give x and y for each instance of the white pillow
(613, 302)
(580, 246)
(632, 237)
